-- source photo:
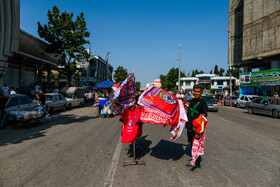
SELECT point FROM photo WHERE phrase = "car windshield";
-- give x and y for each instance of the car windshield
(70, 96)
(274, 101)
(209, 98)
(49, 97)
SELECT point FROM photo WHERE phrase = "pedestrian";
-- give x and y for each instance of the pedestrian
(12, 91)
(5, 89)
(89, 96)
(37, 88)
(42, 101)
(197, 107)
(275, 96)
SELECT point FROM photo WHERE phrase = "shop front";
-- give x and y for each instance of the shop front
(263, 83)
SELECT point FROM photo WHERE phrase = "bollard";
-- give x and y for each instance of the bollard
(223, 103)
(230, 104)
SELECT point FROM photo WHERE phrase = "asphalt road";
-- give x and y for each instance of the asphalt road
(75, 148)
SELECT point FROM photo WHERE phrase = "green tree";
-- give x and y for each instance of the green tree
(168, 82)
(216, 70)
(66, 38)
(137, 86)
(120, 74)
(235, 72)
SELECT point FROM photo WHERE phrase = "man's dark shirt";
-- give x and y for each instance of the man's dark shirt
(196, 107)
(42, 98)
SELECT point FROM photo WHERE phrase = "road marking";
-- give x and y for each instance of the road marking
(113, 168)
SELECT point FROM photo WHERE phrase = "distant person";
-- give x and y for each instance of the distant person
(275, 96)
(89, 96)
(37, 88)
(12, 91)
(5, 89)
(42, 101)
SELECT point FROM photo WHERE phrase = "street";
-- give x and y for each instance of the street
(75, 148)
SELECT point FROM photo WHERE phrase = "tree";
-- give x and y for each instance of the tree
(211, 71)
(120, 74)
(216, 70)
(168, 82)
(66, 38)
(235, 72)
(221, 72)
(137, 86)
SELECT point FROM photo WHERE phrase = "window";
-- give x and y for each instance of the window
(265, 102)
(258, 100)
(188, 83)
(49, 98)
(25, 100)
(13, 102)
(242, 98)
(56, 98)
(61, 97)
(246, 99)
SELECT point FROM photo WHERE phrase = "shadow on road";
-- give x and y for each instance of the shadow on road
(168, 150)
(142, 147)
(36, 130)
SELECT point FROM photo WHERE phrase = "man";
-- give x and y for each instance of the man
(5, 89)
(12, 92)
(42, 99)
(197, 108)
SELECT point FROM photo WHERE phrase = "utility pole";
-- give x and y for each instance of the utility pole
(179, 82)
(229, 60)
(107, 57)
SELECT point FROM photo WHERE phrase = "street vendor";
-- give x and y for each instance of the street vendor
(197, 108)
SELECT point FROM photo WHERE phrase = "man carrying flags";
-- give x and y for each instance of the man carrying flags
(197, 109)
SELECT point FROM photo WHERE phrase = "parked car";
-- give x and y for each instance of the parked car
(264, 106)
(54, 102)
(241, 101)
(75, 97)
(212, 103)
(16, 102)
(231, 99)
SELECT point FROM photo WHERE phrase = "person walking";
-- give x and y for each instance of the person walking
(198, 107)
(275, 96)
(42, 100)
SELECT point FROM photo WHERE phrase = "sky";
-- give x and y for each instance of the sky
(144, 35)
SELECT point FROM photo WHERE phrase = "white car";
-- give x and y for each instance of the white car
(242, 100)
(74, 101)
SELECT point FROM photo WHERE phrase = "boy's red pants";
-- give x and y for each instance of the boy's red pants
(198, 146)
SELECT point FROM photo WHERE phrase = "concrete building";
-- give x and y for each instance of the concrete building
(22, 56)
(217, 83)
(222, 83)
(255, 41)
(93, 71)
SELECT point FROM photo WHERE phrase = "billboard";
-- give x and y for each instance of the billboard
(260, 78)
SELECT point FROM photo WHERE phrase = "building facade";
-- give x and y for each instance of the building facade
(22, 56)
(254, 43)
(94, 71)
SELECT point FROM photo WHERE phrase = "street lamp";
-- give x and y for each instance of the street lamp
(179, 76)
(229, 60)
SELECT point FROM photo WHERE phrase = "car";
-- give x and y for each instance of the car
(74, 97)
(54, 102)
(231, 99)
(16, 102)
(266, 106)
(212, 103)
(241, 101)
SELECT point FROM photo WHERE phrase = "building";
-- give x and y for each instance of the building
(222, 83)
(254, 44)
(210, 81)
(187, 83)
(93, 71)
(22, 56)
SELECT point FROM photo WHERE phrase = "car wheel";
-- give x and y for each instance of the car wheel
(81, 105)
(64, 108)
(250, 110)
(275, 114)
(69, 107)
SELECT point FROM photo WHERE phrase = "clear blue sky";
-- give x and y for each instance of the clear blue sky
(144, 34)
